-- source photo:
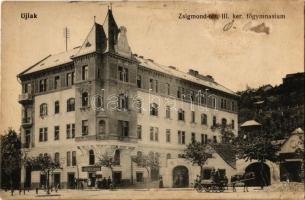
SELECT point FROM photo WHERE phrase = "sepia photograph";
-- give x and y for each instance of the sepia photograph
(152, 100)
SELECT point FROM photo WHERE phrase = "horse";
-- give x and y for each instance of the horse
(247, 177)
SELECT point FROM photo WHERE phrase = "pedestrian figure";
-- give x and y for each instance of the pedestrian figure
(23, 190)
(104, 183)
(233, 182)
(20, 190)
(56, 187)
(160, 182)
(109, 182)
(36, 190)
(225, 181)
(81, 185)
(12, 191)
(216, 176)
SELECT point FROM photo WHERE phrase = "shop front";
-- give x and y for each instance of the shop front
(92, 176)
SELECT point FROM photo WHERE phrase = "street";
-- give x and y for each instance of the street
(165, 193)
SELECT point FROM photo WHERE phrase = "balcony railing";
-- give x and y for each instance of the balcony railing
(104, 137)
(27, 121)
(26, 97)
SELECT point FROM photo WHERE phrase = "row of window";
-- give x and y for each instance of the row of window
(181, 115)
(69, 80)
(43, 132)
(71, 158)
(154, 135)
(43, 108)
(43, 83)
(182, 94)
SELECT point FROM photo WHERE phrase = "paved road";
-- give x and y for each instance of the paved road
(253, 193)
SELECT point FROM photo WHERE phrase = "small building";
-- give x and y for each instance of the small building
(181, 173)
(292, 157)
(250, 129)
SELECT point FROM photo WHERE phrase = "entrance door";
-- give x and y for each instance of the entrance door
(28, 177)
(262, 174)
(71, 180)
(43, 181)
(291, 170)
(117, 177)
(92, 177)
(180, 177)
(56, 179)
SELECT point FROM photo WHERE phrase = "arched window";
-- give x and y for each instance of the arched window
(117, 157)
(168, 156)
(181, 114)
(154, 109)
(91, 157)
(101, 127)
(43, 109)
(223, 122)
(204, 119)
(85, 99)
(70, 104)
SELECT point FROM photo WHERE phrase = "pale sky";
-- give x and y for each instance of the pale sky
(234, 58)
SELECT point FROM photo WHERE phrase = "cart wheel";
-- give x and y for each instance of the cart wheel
(207, 188)
(221, 188)
(199, 188)
(214, 188)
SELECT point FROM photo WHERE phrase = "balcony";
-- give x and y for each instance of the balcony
(85, 138)
(27, 121)
(25, 98)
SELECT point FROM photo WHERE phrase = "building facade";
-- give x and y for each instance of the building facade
(100, 98)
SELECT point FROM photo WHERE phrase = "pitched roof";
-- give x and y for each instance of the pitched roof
(250, 123)
(52, 61)
(226, 152)
(102, 38)
(95, 41)
(111, 30)
(148, 63)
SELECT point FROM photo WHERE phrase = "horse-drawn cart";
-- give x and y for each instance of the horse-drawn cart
(211, 185)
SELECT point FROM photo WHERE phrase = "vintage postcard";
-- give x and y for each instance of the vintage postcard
(152, 99)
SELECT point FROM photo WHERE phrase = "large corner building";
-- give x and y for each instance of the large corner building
(100, 98)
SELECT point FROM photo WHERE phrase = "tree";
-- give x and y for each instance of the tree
(258, 148)
(10, 156)
(198, 153)
(149, 162)
(45, 164)
(107, 161)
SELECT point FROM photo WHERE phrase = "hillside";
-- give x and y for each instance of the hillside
(280, 108)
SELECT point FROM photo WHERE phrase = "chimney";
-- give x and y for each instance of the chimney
(193, 72)
(172, 67)
(210, 77)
